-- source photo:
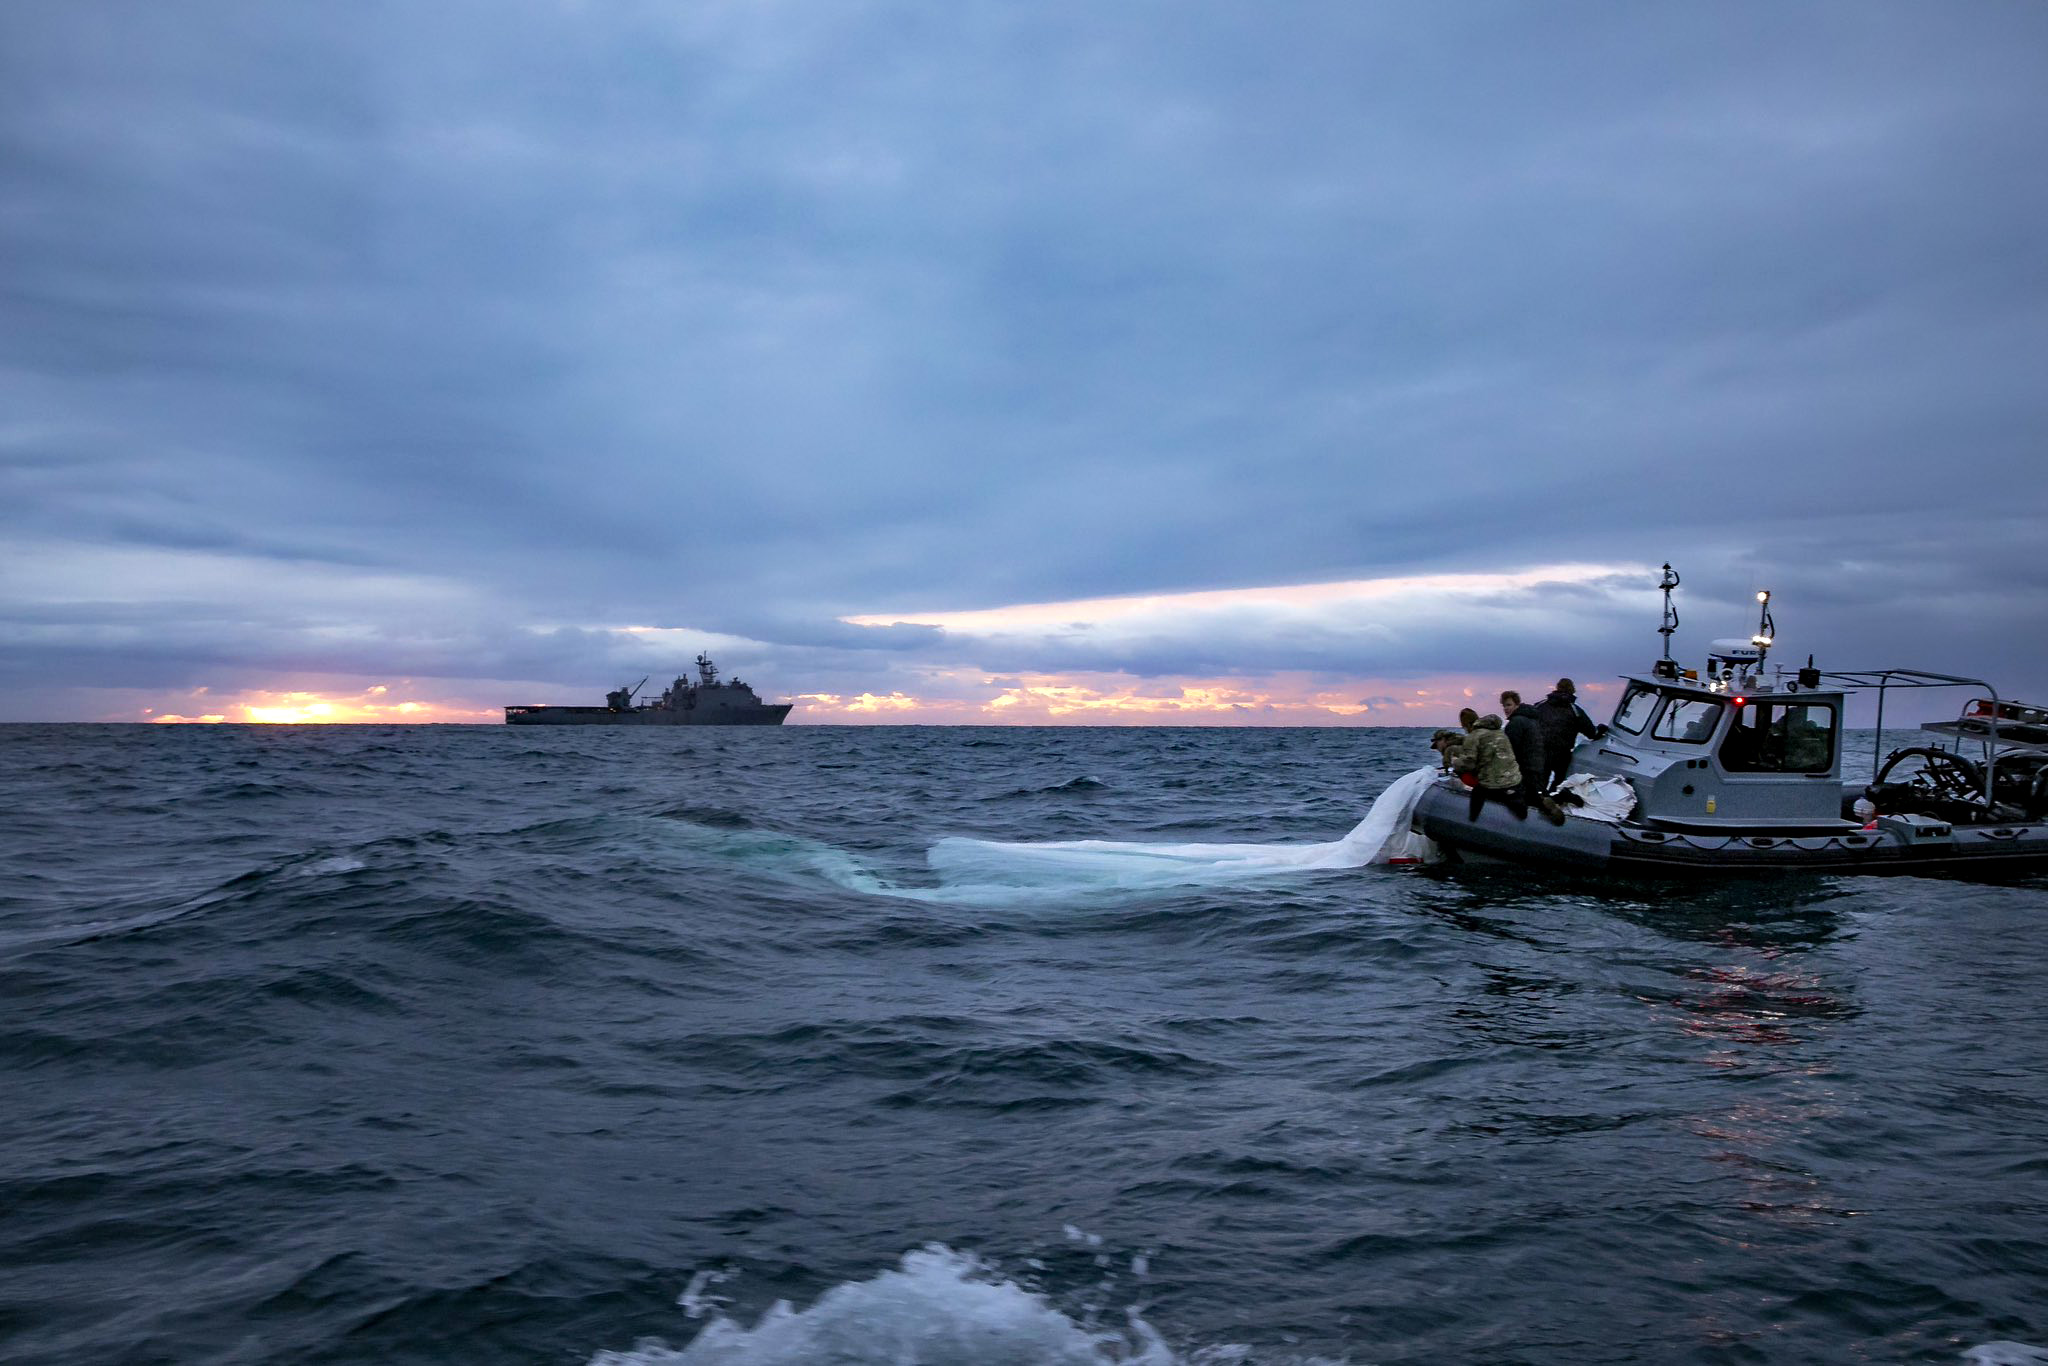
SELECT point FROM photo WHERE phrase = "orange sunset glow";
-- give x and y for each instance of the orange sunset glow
(947, 697)
(1124, 700)
(372, 706)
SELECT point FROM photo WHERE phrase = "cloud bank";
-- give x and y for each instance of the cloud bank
(343, 347)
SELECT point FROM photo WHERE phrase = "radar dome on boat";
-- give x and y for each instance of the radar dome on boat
(1734, 648)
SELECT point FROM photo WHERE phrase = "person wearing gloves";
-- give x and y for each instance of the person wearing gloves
(1563, 721)
(1490, 759)
(1448, 744)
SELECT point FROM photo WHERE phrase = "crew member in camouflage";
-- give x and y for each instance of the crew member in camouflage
(1490, 759)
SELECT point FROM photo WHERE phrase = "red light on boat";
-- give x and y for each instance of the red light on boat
(1740, 700)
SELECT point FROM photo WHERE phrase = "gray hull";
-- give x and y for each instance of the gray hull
(761, 714)
(1908, 845)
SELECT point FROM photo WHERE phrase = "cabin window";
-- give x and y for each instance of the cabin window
(1634, 712)
(1688, 720)
(1781, 737)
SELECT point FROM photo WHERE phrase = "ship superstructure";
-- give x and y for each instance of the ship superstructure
(708, 701)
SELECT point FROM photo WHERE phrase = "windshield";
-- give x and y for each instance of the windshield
(1636, 705)
(1688, 720)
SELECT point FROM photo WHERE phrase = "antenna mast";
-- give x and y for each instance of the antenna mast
(1667, 667)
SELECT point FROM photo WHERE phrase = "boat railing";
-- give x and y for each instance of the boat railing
(1883, 680)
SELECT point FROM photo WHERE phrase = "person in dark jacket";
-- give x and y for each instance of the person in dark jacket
(1527, 738)
(1525, 734)
(1563, 721)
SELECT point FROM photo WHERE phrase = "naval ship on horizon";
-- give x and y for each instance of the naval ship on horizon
(707, 702)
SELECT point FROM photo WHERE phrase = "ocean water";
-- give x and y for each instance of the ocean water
(477, 1045)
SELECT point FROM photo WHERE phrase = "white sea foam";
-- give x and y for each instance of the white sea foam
(939, 1308)
(694, 1301)
(328, 867)
(2006, 1354)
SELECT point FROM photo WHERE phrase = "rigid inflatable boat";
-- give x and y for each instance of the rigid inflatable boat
(1737, 768)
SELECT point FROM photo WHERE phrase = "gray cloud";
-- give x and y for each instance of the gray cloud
(367, 341)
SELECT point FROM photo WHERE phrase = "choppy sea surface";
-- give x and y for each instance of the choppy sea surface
(484, 1045)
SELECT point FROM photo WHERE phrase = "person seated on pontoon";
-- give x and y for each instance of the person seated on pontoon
(1490, 759)
(1525, 736)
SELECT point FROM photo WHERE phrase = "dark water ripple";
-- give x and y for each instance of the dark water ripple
(452, 1044)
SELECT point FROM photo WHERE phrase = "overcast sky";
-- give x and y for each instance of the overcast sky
(973, 361)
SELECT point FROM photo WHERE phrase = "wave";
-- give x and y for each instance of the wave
(111, 919)
(1070, 787)
(938, 1308)
(772, 851)
(715, 817)
(373, 876)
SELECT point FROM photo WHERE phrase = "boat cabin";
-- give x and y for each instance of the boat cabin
(1706, 754)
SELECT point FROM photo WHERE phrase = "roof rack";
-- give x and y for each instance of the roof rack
(2014, 725)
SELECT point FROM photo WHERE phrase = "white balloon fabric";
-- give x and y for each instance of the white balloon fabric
(1602, 799)
(1383, 836)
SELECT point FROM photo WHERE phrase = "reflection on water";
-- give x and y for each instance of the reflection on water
(1742, 1005)
(1792, 913)
(1757, 1013)
(1763, 1020)
(1755, 1143)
